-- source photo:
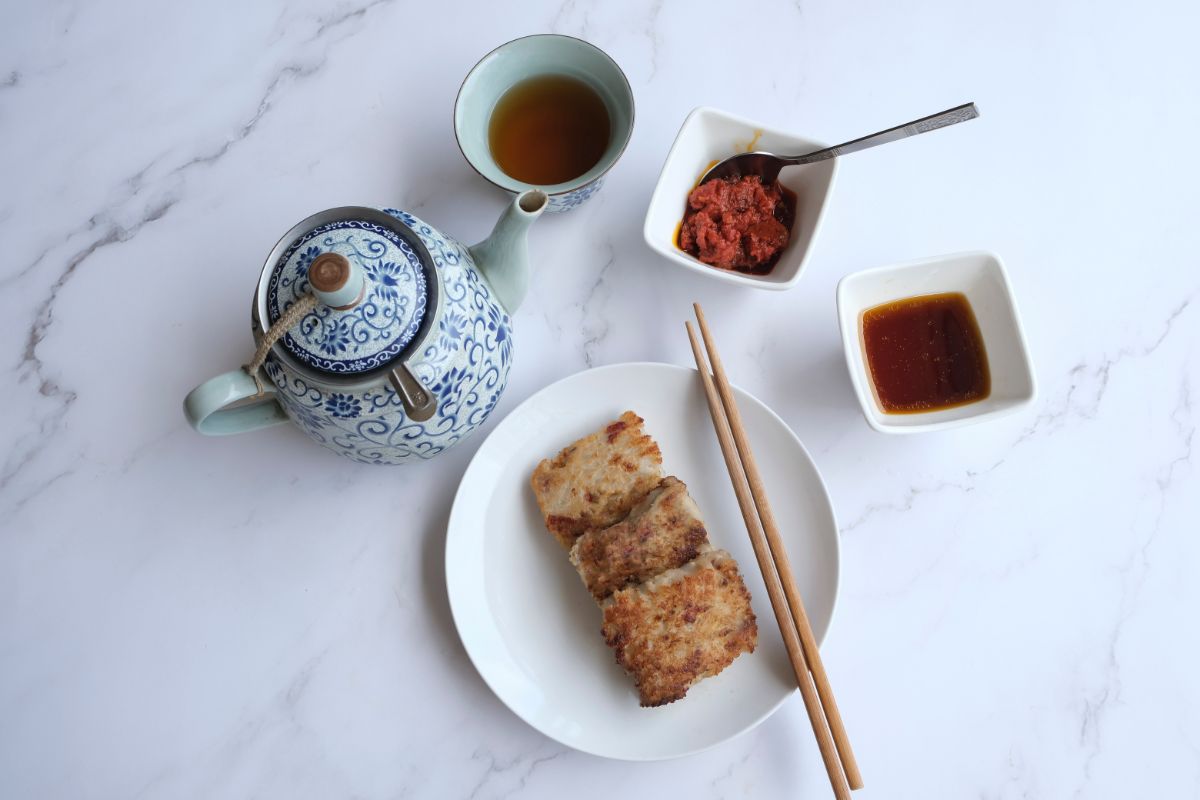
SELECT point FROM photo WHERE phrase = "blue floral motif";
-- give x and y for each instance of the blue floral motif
(343, 406)
(305, 259)
(333, 338)
(450, 384)
(490, 405)
(386, 275)
(453, 327)
(497, 326)
(464, 362)
(296, 399)
(574, 198)
(311, 418)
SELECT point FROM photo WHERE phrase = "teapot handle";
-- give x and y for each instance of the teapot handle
(207, 406)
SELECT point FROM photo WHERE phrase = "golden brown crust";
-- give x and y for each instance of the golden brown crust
(594, 482)
(662, 532)
(687, 624)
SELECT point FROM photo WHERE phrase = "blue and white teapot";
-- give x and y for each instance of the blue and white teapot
(382, 338)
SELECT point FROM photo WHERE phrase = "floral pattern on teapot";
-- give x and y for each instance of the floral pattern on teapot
(377, 329)
(464, 360)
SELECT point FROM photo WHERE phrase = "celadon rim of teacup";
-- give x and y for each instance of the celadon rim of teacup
(510, 184)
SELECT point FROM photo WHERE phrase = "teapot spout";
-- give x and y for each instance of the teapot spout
(503, 257)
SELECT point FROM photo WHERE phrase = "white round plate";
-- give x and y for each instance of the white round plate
(532, 629)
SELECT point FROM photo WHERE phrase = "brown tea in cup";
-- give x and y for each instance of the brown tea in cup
(549, 129)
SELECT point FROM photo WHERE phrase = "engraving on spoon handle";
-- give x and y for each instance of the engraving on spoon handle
(923, 125)
(954, 115)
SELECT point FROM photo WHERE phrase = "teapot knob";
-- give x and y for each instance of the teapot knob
(336, 281)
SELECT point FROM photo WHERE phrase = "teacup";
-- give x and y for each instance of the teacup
(528, 57)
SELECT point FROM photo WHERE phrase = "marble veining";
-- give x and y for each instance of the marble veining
(595, 323)
(194, 618)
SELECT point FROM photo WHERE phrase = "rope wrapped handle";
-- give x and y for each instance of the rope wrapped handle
(217, 408)
(293, 315)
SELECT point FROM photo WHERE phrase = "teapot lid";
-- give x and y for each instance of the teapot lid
(386, 306)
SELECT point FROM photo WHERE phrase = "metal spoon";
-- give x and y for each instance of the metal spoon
(767, 165)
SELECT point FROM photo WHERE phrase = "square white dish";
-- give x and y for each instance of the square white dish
(982, 278)
(709, 135)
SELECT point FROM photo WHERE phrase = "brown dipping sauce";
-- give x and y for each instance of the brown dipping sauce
(549, 129)
(925, 353)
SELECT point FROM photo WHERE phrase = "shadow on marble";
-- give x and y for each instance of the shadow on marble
(433, 590)
(437, 603)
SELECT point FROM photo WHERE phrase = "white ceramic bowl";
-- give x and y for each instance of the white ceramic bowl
(981, 277)
(709, 135)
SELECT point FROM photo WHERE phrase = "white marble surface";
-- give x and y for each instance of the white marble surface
(190, 617)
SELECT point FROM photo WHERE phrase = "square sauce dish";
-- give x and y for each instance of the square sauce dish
(708, 136)
(1006, 373)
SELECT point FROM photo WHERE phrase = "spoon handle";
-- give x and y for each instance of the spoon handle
(951, 116)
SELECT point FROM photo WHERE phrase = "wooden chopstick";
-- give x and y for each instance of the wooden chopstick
(789, 629)
(782, 564)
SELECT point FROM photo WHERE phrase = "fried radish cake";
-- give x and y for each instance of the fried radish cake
(687, 624)
(662, 532)
(594, 482)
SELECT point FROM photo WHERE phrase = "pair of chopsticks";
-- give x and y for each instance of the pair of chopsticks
(776, 571)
